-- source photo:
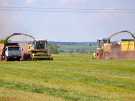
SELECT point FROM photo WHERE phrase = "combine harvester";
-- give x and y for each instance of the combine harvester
(35, 51)
(123, 50)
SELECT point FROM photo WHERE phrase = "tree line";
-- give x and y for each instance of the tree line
(55, 49)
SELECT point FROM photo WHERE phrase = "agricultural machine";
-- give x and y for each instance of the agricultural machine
(122, 50)
(10, 51)
(35, 51)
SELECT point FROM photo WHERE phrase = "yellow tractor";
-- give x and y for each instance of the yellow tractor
(37, 51)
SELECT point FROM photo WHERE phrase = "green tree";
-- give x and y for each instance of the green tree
(62, 51)
(71, 51)
(82, 51)
(78, 51)
(50, 48)
(55, 49)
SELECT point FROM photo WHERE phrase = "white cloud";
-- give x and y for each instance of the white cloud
(51, 15)
(78, 1)
(83, 1)
(30, 1)
(7, 3)
(72, 1)
(103, 15)
(64, 1)
(110, 10)
(15, 18)
(103, 12)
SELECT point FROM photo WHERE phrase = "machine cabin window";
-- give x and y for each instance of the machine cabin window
(40, 44)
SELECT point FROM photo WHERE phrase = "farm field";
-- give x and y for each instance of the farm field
(70, 77)
(78, 48)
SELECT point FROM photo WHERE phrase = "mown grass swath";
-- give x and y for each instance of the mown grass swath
(71, 77)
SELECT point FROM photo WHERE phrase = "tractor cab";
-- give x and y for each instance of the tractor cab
(101, 42)
(40, 44)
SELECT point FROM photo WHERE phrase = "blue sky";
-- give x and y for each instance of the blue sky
(67, 26)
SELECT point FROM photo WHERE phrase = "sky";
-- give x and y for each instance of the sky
(57, 23)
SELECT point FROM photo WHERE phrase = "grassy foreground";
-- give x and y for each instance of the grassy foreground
(73, 77)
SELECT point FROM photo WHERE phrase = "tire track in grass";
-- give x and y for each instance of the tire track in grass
(62, 93)
(76, 77)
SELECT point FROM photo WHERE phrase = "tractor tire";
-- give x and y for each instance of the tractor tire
(18, 59)
(25, 56)
(29, 56)
(98, 55)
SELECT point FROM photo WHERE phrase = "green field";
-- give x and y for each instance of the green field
(74, 77)
(84, 48)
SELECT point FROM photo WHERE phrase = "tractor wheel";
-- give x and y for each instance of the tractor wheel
(98, 55)
(29, 57)
(107, 56)
(25, 56)
(18, 59)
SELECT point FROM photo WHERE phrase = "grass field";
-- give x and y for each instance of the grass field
(86, 48)
(74, 77)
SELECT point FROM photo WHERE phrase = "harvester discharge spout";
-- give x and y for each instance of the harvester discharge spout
(120, 32)
(6, 40)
